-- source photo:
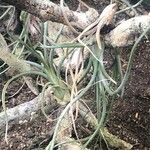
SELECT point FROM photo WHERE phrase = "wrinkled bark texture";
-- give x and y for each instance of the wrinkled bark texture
(47, 10)
(123, 35)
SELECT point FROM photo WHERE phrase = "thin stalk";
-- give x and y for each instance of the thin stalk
(127, 73)
(98, 99)
(45, 41)
(42, 98)
(51, 144)
(130, 6)
(2, 65)
(86, 70)
(3, 6)
(34, 52)
(65, 45)
(51, 62)
(119, 68)
(5, 13)
(21, 36)
(35, 65)
(58, 34)
(4, 70)
(62, 60)
(101, 122)
(23, 47)
(133, 6)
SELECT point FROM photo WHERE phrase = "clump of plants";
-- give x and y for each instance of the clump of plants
(59, 65)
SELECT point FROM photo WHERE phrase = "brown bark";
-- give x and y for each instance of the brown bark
(128, 31)
(123, 35)
(47, 10)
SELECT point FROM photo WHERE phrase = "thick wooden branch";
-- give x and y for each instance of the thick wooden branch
(128, 31)
(47, 10)
(25, 111)
(123, 35)
(20, 112)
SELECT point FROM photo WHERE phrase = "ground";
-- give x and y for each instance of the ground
(130, 118)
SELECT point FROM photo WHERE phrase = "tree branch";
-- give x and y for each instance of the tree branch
(123, 35)
(46, 10)
(128, 31)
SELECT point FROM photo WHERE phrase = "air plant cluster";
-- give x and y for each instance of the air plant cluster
(64, 66)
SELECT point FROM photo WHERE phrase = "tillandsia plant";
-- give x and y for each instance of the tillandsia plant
(54, 58)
